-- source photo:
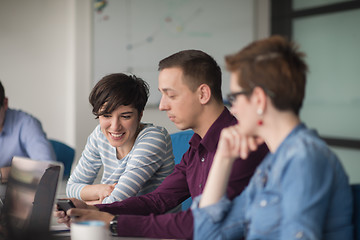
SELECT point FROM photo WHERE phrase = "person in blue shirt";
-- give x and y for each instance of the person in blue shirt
(300, 190)
(20, 135)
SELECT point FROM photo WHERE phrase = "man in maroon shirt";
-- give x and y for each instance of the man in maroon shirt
(190, 84)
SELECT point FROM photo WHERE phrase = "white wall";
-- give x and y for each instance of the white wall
(261, 30)
(36, 62)
(84, 120)
(46, 64)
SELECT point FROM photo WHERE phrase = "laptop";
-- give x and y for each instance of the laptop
(29, 199)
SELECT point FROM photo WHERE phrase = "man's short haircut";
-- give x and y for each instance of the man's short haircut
(118, 89)
(2, 94)
(276, 65)
(198, 68)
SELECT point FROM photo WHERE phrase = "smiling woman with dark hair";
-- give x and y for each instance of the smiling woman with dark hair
(136, 157)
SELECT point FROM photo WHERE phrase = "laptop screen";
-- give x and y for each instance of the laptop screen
(29, 199)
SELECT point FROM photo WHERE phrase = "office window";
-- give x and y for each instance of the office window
(328, 32)
(302, 4)
(332, 102)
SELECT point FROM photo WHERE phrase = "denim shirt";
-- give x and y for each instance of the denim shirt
(299, 192)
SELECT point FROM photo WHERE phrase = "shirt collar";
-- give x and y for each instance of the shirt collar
(224, 120)
(292, 134)
(7, 122)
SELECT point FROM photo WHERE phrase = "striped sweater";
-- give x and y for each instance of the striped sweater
(141, 171)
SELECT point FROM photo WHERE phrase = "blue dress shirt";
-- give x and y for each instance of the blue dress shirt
(299, 192)
(22, 135)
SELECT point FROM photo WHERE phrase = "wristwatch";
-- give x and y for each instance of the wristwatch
(113, 226)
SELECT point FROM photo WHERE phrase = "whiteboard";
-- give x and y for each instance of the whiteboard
(132, 36)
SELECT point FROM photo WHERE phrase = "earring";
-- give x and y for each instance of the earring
(260, 113)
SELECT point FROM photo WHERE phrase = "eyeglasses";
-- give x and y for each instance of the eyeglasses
(231, 97)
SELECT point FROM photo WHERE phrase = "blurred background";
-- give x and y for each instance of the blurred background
(52, 52)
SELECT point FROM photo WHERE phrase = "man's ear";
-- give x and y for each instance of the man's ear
(6, 103)
(204, 93)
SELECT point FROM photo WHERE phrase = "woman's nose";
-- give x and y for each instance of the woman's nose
(116, 124)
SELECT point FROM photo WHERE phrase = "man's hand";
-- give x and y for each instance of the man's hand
(63, 217)
(78, 215)
(5, 172)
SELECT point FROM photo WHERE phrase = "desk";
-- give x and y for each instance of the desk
(66, 236)
(111, 238)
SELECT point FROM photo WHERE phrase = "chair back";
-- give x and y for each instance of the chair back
(180, 143)
(64, 154)
(356, 216)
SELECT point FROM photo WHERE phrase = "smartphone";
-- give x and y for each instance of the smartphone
(64, 204)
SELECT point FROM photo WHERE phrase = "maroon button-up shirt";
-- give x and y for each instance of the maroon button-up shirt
(144, 216)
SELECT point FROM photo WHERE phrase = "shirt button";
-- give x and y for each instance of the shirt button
(200, 185)
(264, 179)
(299, 235)
(263, 203)
(202, 159)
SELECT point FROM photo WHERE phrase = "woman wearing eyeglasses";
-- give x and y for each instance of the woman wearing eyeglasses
(300, 190)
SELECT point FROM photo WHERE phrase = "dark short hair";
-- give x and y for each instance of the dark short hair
(198, 68)
(118, 89)
(276, 65)
(2, 95)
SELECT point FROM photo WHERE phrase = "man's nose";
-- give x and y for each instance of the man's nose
(163, 106)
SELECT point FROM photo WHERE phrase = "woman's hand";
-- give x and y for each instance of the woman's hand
(104, 190)
(94, 194)
(232, 144)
